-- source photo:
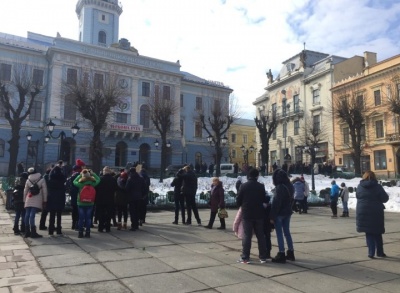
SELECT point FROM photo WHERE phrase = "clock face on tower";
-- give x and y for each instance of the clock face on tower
(123, 83)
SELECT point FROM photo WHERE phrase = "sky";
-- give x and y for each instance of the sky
(231, 41)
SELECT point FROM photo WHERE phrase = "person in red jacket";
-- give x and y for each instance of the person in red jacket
(217, 200)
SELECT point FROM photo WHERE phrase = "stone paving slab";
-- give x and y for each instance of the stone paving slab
(12, 281)
(167, 282)
(387, 264)
(99, 287)
(120, 254)
(168, 250)
(205, 248)
(65, 260)
(38, 287)
(180, 262)
(44, 250)
(257, 286)
(389, 286)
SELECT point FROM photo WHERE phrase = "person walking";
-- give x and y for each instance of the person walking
(45, 212)
(179, 199)
(33, 203)
(334, 196)
(250, 199)
(281, 213)
(344, 195)
(370, 213)
(238, 183)
(189, 189)
(217, 200)
(55, 199)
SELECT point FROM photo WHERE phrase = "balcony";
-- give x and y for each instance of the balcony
(292, 114)
(392, 137)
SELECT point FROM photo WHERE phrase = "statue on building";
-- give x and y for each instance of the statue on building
(270, 76)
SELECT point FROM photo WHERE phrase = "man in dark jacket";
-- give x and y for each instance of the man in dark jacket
(145, 199)
(251, 198)
(105, 193)
(135, 187)
(178, 197)
(189, 189)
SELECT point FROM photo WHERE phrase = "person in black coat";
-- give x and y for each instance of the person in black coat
(370, 213)
(135, 187)
(73, 193)
(105, 193)
(217, 201)
(121, 200)
(43, 214)
(18, 198)
(178, 197)
(251, 198)
(145, 199)
(55, 198)
(189, 189)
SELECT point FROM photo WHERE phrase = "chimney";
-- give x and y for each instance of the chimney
(369, 58)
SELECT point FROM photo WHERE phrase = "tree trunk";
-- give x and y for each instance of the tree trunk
(163, 158)
(96, 149)
(218, 160)
(14, 149)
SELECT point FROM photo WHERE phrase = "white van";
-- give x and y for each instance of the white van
(226, 168)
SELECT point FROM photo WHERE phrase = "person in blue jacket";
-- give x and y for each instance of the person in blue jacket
(334, 198)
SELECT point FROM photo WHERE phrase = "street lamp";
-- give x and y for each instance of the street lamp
(246, 153)
(50, 128)
(287, 156)
(312, 150)
(34, 150)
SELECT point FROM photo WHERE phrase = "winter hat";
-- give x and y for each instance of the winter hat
(239, 178)
(31, 170)
(343, 184)
(85, 173)
(124, 175)
(77, 168)
(24, 175)
(333, 182)
(80, 163)
(107, 170)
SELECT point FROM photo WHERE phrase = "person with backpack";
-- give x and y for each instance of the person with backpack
(145, 199)
(56, 198)
(35, 199)
(18, 197)
(86, 181)
(73, 193)
(105, 193)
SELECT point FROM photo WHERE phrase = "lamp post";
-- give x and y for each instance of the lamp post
(217, 145)
(287, 156)
(33, 151)
(62, 136)
(312, 150)
(246, 153)
(164, 148)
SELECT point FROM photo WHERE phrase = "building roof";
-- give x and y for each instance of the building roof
(244, 122)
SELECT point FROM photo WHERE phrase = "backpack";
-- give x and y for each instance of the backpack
(34, 189)
(87, 194)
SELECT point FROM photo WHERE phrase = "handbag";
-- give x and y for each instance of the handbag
(222, 213)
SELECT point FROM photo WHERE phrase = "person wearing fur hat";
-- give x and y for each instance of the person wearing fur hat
(105, 193)
(33, 203)
(56, 198)
(86, 177)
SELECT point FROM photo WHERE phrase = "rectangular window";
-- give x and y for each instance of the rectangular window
(2, 148)
(380, 160)
(5, 72)
(284, 128)
(362, 132)
(233, 137)
(273, 157)
(296, 103)
(217, 104)
(379, 128)
(316, 124)
(36, 111)
(145, 89)
(198, 131)
(296, 127)
(377, 97)
(346, 135)
(233, 154)
(199, 103)
(72, 76)
(244, 138)
(273, 107)
(98, 81)
(69, 108)
(2, 110)
(316, 97)
(181, 126)
(38, 77)
(166, 92)
(274, 134)
(284, 108)
(181, 101)
(121, 118)
(360, 101)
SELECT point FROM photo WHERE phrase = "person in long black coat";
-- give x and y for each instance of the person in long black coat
(105, 193)
(145, 199)
(370, 212)
(178, 197)
(189, 189)
(135, 187)
(121, 200)
(55, 198)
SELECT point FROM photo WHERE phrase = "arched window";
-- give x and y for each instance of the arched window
(102, 38)
(145, 116)
(2, 147)
(121, 153)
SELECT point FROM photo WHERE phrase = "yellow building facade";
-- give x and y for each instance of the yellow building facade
(375, 86)
(242, 143)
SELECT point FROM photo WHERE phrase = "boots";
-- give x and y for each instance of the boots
(16, 230)
(22, 228)
(347, 214)
(80, 234)
(119, 226)
(59, 230)
(87, 234)
(279, 258)
(290, 255)
(34, 234)
(27, 231)
(125, 226)
(222, 227)
(343, 215)
(51, 230)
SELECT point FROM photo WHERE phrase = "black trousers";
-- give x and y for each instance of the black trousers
(104, 214)
(52, 219)
(134, 208)
(43, 218)
(212, 219)
(334, 207)
(143, 209)
(179, 206)
(122, 210)
(191, 205)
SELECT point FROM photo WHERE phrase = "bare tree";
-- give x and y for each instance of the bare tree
(94, 97)
(162, 111)
(350, 106)
(266, 125)
(393, 88)
(216, 122)
(17, 97)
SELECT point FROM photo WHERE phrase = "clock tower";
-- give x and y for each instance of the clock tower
(98, 21)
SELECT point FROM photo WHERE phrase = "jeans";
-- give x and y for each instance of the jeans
(19, 213)
(85, 216)
(30, 213)
(282, 227)
(374, 241)
(258, 227)
(179, 206)
(334, 206)
(345, 207)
